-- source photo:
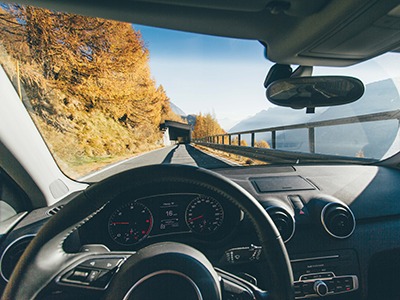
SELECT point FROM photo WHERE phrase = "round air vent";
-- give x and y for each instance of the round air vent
(12, 254)
(283, 221)
(338, 220)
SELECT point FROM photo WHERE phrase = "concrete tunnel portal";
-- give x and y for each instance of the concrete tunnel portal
(176, 132)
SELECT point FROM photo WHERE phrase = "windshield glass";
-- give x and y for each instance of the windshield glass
(109, 96)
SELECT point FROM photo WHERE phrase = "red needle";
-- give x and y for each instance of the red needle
(196, 218)
(120, 223)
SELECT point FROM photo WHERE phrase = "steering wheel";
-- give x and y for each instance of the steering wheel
(155, 271)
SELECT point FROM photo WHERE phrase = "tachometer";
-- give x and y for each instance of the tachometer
(204, 215)
(130, 223)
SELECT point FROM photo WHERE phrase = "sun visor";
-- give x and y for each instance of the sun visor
(232, 5)
(374, 38)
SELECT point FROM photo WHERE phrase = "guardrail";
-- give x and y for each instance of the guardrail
(223, 142)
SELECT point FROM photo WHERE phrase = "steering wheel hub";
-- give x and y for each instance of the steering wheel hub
(165, 270)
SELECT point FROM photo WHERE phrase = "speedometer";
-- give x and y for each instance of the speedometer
(130, 223)
(204, 215)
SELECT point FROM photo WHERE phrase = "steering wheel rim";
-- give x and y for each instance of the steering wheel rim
(45, 257)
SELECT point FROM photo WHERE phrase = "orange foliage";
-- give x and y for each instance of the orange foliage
(206, 125)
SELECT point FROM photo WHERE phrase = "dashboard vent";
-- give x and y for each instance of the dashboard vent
(12, 254)
(283, 221)
(338, 220)
(55, 210)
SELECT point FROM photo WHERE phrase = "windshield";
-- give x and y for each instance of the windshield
(109, 96)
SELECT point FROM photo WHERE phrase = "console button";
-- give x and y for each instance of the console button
(306, 277)
(79, 275)
(348, 284)
(339, 285)
(298, 291)
(307, 288)
(102, 263)
(93, 275)
(331, 285)
(103, 279)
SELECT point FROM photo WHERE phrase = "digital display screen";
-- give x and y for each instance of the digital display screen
(169, 214)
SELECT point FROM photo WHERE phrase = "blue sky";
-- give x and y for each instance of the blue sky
(209, 74)
(225, 76)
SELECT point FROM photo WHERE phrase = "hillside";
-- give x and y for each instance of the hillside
(272, 117)
(177, 110)
(86, 83)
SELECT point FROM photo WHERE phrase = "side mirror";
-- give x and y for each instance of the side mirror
(311, 92)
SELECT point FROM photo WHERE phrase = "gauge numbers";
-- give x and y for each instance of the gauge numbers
(204, 215)
(130, 223)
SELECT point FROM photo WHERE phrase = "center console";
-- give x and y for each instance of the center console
(327, 274)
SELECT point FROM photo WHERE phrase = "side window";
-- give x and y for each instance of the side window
(6, 211)
(12, 199)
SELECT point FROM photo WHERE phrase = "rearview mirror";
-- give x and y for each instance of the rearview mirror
(311, 92)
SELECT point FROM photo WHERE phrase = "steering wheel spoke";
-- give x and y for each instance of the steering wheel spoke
(93, 271)
(236, 288)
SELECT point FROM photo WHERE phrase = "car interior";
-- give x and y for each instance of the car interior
(297, 226)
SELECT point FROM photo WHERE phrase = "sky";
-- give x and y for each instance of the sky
(225, 76)
(209, 74)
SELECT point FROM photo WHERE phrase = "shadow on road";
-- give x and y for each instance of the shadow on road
(187, 153)
(168, 158)
(203, 160)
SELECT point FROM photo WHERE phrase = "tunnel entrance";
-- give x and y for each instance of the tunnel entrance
(176, 132)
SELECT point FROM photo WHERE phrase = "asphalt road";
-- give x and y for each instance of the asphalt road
(176, 154)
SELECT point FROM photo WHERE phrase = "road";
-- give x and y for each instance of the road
(176, 154)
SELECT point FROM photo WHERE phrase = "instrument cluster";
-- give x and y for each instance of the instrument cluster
(133, 221)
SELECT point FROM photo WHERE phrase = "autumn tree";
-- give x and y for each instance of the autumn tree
(206, 125)
(235, 142)
(103, 63)
(88, 78)
(262, 144)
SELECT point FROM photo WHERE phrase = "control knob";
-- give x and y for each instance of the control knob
(320, 288)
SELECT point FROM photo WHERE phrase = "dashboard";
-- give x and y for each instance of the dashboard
(340, 224)
(131, 223)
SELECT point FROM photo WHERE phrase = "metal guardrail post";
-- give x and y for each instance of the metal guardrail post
(230, 139)
(273, 138)
(311, 139)
(253, 137)
(239, 140)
